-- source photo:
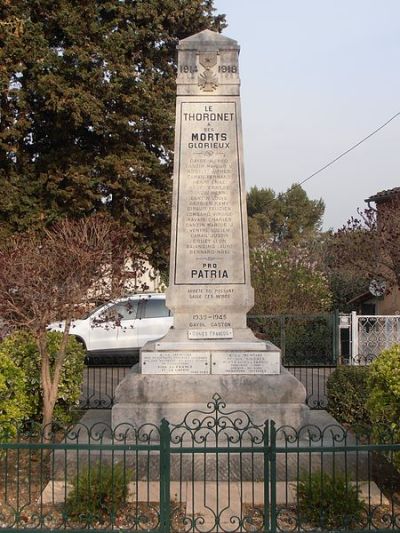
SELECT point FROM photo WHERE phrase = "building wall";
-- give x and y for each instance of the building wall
(142, 279)
(390, 304)
(149, 280)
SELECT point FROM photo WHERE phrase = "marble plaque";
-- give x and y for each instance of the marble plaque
(245, 363)
(226, 333)
(175, 362)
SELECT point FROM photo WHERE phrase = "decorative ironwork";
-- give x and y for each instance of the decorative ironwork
(215, 471)
(100, 382)
(374, 334)
(217, 424)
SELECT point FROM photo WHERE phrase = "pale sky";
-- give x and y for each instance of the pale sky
(317, 76)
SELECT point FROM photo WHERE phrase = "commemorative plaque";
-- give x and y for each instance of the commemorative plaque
(175, 362)
(246, 363)
(210, 333)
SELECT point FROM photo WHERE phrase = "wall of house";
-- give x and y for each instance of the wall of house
(149, 280)
(390, 304)
(142, 279)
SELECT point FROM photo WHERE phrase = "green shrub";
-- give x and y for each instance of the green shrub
(384, 396)
(98, 491)
(22, 349)
(347, 395)
(308, 341)
(328, 502)
(14, 402)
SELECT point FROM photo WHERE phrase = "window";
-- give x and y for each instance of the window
(367, 309)
(120, 311)
(156, 308)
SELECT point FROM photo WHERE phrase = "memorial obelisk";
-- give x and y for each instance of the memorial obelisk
(209, 290)
(209, 286)
(210, 349)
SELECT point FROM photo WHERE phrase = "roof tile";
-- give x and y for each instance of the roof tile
(383, 195)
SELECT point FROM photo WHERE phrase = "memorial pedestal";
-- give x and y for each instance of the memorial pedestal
(148, 398)
(176, 376)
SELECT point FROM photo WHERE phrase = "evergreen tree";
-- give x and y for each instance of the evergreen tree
(87, 92)
(287, 217)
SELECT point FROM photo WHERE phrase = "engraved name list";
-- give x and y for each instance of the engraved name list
(207, 231)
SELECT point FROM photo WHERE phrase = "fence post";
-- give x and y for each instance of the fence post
(273, 476)
(267, 476)
(282, 320)
(165, 463)
(335, 335)
(354, 338)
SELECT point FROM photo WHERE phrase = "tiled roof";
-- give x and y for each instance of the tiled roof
(361, 298)
(384, 195)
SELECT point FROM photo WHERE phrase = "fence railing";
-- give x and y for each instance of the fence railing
(314, 379)
(217, 470)
(99, 383)
(303, 339)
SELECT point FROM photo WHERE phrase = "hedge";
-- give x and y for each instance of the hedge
(21, 348)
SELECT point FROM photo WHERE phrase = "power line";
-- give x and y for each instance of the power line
(350, 149)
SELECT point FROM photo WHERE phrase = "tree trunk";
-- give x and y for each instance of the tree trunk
(50, 378)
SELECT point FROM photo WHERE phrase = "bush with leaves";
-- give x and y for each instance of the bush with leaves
(15, 406)
(347, 395)
(383, 402)
(308, 340)
(98, 491)
(287, 281)
(328, 502)
(21, 347)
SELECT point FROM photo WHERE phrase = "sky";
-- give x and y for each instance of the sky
(317, 76)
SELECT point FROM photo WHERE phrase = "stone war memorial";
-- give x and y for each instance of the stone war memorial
(210, 349)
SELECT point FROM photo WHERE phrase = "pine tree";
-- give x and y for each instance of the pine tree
(287, 217)
(87, 91)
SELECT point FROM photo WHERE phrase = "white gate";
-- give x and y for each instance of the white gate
(370, 334)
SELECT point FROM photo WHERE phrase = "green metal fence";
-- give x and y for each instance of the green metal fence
(309, 345)
(310, 340)
(215, 471)
(100, 380)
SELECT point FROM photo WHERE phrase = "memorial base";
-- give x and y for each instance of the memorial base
(142, 398)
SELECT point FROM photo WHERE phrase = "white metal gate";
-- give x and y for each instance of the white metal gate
(370, 334)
